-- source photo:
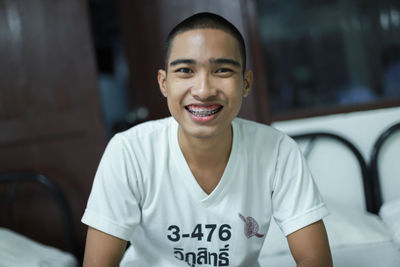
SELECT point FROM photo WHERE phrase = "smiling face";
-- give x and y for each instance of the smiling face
(204, 84)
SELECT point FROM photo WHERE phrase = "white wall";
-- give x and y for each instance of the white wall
(334, 167)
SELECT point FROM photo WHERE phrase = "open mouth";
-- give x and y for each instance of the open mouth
(203, 111)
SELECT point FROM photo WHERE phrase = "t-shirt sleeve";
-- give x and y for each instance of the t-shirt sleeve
(113, 206)
(296, 200)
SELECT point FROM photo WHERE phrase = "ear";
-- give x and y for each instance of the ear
(162, 80)
(248, 81)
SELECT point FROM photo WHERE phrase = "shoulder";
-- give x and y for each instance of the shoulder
(263, 138)
(144, 138)
(146, 129)
(255, 131)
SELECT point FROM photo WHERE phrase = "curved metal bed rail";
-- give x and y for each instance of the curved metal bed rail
(373, 166)
(58, 194)
(367, 183)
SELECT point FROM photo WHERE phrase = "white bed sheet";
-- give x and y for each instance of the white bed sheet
(17, 250)
(357, 239)
(390, 214)
(384, 254)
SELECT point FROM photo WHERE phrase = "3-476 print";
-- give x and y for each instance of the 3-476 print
(201, 231)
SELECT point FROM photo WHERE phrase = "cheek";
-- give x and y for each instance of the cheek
(235, 82)
(235, 89)
(173, 109)
(174, 100)
(178, 87)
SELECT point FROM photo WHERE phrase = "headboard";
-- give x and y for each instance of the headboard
(386, 149)
(14, 184)
(354, 189)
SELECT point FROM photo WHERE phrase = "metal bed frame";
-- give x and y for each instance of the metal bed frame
(16, 178)
(373, 167)
(366, 179)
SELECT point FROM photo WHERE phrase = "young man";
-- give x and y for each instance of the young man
(199, 188)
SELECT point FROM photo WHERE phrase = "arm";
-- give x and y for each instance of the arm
(310, 246)
(102, 249)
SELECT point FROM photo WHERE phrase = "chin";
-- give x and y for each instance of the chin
(202, 131)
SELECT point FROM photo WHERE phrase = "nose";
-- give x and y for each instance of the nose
(204, 88)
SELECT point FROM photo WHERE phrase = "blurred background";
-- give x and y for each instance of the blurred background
(75, 72)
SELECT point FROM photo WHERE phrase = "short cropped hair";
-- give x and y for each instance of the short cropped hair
(205, 20)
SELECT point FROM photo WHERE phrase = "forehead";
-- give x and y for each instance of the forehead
(204, 44)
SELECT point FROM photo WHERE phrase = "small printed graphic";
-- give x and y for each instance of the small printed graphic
(251, 226)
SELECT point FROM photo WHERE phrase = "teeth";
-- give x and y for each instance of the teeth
(204, 111)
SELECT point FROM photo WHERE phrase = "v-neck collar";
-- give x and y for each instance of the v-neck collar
(185, 174)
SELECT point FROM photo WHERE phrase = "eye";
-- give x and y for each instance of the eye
(224, 70)
(184, 70)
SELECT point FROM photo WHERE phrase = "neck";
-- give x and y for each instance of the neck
(206, 152)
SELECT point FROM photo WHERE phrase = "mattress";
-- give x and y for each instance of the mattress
(357, 239)
(17, 250)
(384, 254)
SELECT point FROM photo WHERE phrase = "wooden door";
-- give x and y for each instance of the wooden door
(50, 114)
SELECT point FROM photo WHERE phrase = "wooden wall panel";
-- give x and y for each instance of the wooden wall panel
(143, 46)
(50, 114)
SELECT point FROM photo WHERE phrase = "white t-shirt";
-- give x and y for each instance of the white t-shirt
(144, 192)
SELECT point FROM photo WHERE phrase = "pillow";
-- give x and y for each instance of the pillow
(345, 227)
(18, 250)
(390, 214)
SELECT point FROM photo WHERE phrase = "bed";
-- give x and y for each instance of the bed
(363, 226)
(385, 174)
(357, 234)
(16, 249)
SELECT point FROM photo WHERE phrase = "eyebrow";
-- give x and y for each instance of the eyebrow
(212, 61)
(225, 61)
(182, 61)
